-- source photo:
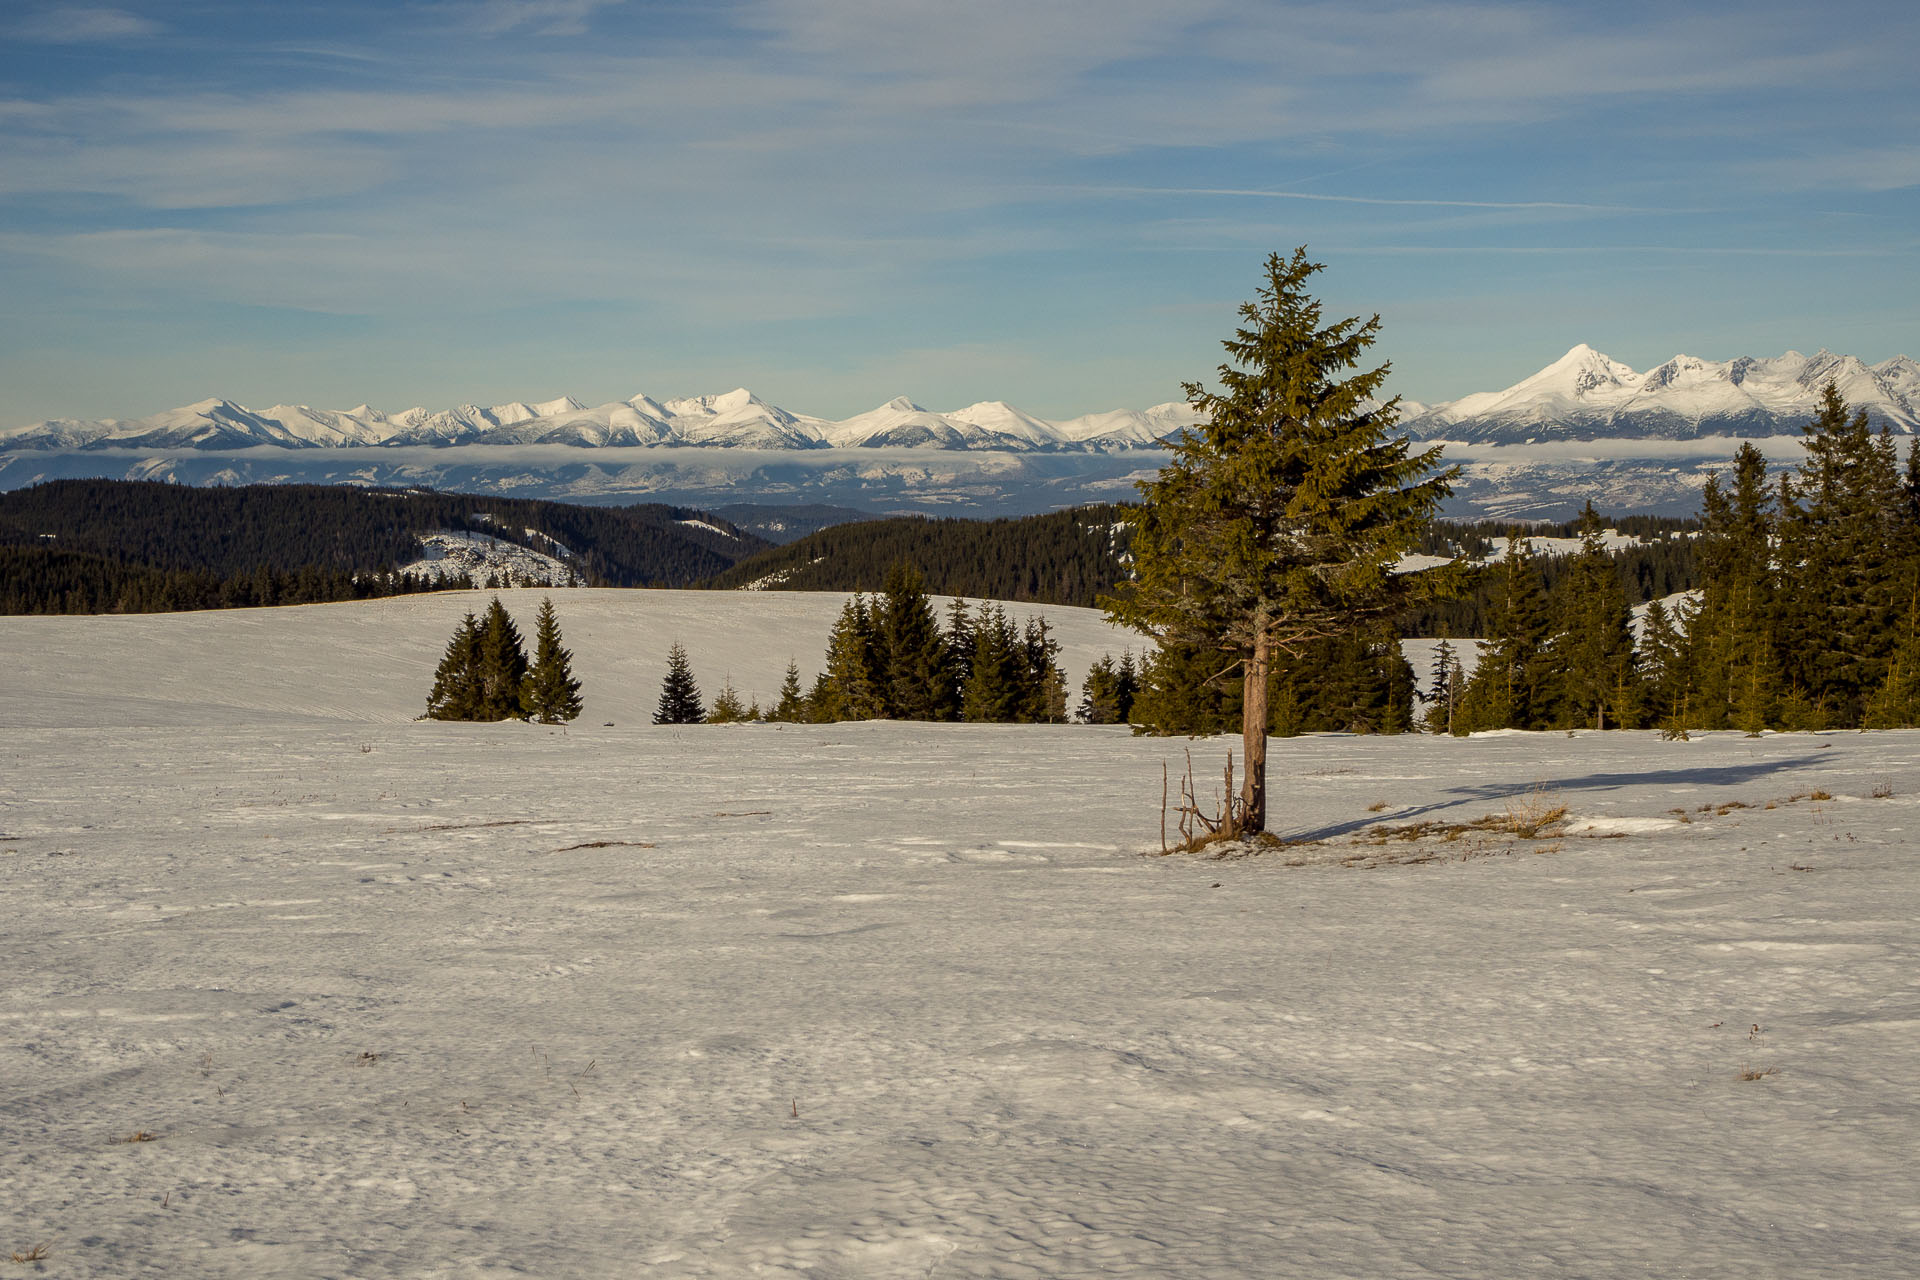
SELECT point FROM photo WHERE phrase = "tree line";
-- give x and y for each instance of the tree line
(1064, 557)
(889, 658)
(229, 533)
(41, 579)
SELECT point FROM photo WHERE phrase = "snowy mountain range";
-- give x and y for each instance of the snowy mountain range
(1586, 395)
(1586, 427)
(738, 419)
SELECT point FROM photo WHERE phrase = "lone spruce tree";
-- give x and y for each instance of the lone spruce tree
(1283, 511)
(679, 695)
(550, 694)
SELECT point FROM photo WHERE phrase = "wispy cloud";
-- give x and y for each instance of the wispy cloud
(538, 17)
(83, 26)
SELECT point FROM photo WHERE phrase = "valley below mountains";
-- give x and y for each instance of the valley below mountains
(1586, 427)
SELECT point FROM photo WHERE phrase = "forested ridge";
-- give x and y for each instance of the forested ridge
(1076, 556)
(1064, 557)
(133, 546)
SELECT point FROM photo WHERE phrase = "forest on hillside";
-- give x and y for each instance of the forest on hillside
(135, 546)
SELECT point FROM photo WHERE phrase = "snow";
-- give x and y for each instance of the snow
(400, 998)
(449, 553)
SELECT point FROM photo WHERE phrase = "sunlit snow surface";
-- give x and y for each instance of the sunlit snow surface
(870, 1000)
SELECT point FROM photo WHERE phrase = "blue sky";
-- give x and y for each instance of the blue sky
(834, 202)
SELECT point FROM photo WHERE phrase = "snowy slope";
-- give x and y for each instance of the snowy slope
(372, 661)
(398, 999)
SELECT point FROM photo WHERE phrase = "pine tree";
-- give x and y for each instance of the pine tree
(1096, 692)
(727, 707)
(1442, 678)
(996, 690)
(959, 643)
(456, 682)
(856, 666)
(503, 665)
(792, 706)
(1591, 651)
(1506, 690)
(1665, 672)
(919, 680)
(1840, 574)
(1187, 688)
(679, 695)
(1281, 515)
(1734, 631)
(1043, 686)
(550, 695)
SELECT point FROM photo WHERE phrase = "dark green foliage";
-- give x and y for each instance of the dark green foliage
(1509, 687)
(679, 695)
(456, 693)
(856, 673)
(1065, 557)
(1189, 689)
(1666, 682)
(46, 579)
(145, 546)
(551, 695)
(997, 689)
(1445, 682)
(484, 673)
(792, 706)
(1595, 680)
(503, 665)
(1107, 695)
(919, 674)
(1278, 519)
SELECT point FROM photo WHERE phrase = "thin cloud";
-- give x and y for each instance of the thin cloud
(1379, 200)
(85, 26)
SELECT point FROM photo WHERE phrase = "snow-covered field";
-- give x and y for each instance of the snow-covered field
(402, 999)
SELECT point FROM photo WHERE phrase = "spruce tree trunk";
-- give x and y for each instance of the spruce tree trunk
(1253, 734)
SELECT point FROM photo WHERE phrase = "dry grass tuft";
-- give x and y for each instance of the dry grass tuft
(1819, 795)
(366, 1059)
(608, 844)
(1883, 790)
(1376, 806)
(35, 1254)
(1758, 1073)
(139, 1135)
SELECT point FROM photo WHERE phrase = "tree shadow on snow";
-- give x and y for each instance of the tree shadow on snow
(1719, 775)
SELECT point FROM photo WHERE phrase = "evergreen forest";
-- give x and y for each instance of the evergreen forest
(97, 546)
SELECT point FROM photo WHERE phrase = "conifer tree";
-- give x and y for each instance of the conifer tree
(550, 695)
(1733, 633)
(1187, 688)
(1591, 651)
(959, 636)
(679, 695)
(727, 707)
(1507, 686)
(792, 706)
(996, 690)
(919, 683)
(856, 666)
(1442, 688)
(503, 665)
(456, 690)
(1281, 514)
(1665, 672)
(1043, 685)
